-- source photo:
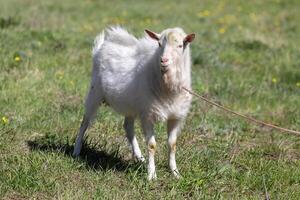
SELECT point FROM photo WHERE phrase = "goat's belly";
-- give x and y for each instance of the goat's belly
(123, 104)
(124, 109)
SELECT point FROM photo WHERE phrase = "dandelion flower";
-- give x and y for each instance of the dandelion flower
(204, 13)
(59, 74)
(274, 80)
(253, 16)
(17, 59)
(222, 30)
(5, 120)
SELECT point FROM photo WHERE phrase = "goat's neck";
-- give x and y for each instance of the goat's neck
(171, 82)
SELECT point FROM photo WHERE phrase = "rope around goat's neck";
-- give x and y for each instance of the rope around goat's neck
(243, 116)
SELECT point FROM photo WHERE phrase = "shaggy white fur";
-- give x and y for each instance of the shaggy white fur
(141, 78)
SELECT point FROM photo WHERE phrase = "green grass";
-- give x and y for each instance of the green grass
(246, 56)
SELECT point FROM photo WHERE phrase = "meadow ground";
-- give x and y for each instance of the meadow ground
(246, 56)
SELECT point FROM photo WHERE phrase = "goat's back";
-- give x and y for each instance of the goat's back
(121, 64)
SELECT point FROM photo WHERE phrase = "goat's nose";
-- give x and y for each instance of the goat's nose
(164, 60)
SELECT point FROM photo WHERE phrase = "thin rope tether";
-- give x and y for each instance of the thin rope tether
(251, 119)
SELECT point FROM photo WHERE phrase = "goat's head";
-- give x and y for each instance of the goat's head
(172, 45)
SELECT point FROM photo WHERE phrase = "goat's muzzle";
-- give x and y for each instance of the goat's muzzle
(164, 68)
(164, 63)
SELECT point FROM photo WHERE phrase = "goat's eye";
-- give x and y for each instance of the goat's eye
(179, 46)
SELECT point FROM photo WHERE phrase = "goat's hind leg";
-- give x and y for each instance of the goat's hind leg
(92, 103)
(129, 128)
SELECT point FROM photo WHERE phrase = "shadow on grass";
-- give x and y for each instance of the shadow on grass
(90, 155)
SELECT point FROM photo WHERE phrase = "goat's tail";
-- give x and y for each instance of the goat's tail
(99, 40)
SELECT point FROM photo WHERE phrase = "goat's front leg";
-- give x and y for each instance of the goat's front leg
(129, 128)
(151, 145)
(173, 127)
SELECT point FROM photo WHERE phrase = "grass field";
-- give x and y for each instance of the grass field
(246, 56)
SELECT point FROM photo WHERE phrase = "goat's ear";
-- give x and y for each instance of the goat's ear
(189, 38)
(152, 34)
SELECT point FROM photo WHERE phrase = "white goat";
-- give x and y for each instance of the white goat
(141, 78)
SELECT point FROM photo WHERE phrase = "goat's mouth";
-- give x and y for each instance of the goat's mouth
(164, 69)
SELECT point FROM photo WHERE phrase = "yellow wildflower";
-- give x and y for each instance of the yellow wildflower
(253, 16)
(204, 13)
(72, 83)
(274, 80)
(5, 120)
(59, 74)
(17, 59)
(298, 84)
(222, 30)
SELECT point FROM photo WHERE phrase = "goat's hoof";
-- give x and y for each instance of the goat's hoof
(75, 153)
(176, 174)
(141, 159)
(138, 158)
(152, 176)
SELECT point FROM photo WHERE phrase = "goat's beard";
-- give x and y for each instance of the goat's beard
(171, 80)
